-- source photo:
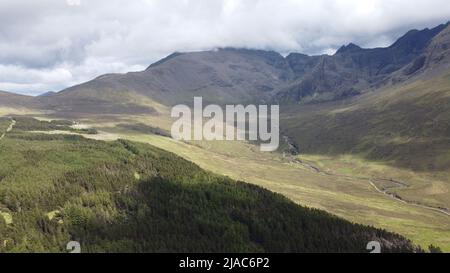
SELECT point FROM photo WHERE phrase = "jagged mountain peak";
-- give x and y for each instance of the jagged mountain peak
(354, 70)
(348, 48)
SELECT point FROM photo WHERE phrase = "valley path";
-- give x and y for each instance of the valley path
(9, 129)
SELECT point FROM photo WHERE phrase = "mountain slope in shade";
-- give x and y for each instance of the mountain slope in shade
(407, 125)
(353, 70)
(434, 60)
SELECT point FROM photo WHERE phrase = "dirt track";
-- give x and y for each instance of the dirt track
(9, 129)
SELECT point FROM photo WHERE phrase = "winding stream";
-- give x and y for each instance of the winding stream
(372, 182)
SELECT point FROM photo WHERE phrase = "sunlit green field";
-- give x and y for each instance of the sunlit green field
(5, 111)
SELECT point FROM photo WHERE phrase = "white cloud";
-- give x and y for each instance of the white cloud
(73, 2)
(51, 44)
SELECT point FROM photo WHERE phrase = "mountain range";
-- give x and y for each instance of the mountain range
(230, 75)
(239, 76)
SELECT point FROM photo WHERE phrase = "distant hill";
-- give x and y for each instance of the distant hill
(223, 76)
(46, 94)
(15, 100)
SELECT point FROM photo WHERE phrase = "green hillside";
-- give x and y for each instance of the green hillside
(123, 196)
(399, 134)
(407, 125)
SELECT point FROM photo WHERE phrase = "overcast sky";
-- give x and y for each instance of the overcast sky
(47, 45)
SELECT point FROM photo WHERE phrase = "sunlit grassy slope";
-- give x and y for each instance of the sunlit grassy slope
(5, 111)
